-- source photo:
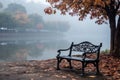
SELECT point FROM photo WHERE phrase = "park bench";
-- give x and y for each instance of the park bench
(84, 48)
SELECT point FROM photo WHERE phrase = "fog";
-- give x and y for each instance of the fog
(79, 30)
(69, 29)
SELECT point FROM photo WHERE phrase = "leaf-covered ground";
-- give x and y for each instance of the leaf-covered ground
(46, 70)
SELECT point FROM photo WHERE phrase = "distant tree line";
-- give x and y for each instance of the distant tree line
(15, 16)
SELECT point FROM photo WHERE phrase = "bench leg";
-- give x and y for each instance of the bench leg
(83, 66)
(58, 62)
(97, 67)
(70, 64)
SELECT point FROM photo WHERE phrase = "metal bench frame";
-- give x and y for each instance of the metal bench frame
(84, 47)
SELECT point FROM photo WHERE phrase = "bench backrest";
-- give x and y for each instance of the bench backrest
(86, 47)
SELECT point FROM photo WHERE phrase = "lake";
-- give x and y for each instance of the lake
(30, 47)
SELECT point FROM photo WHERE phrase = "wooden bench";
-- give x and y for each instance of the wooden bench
(84, 47)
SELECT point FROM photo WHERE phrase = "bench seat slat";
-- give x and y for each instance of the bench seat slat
(76, 58)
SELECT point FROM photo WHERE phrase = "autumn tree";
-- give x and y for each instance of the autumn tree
(18, 11)
(14, 8)
(36, 21)
(7, 21)
(101, 10)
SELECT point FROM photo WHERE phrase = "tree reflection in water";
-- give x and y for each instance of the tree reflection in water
(28, 50)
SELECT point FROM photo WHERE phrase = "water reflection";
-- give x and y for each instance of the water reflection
(17, 50)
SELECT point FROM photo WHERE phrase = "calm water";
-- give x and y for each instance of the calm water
(17, 48)
(29, 48)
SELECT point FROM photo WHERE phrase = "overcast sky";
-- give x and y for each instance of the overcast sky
(38, 1)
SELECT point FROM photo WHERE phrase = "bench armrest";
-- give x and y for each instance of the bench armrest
(59, 51)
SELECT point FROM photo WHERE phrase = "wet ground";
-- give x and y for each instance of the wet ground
(41, 70)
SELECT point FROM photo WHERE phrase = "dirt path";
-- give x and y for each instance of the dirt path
(39, 70)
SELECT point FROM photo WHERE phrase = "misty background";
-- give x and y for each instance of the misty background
(43, 30)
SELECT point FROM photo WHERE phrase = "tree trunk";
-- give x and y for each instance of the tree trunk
(116, 51)
(112, 22)
(115, 29)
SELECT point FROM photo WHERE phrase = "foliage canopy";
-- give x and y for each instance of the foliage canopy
(96, 8)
